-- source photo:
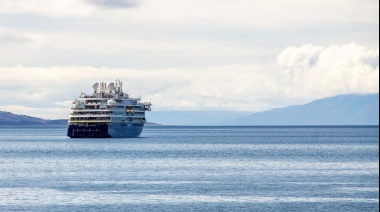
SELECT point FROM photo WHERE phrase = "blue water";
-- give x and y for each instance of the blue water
(192, 169)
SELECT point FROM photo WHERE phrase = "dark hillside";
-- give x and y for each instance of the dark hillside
(10, 119)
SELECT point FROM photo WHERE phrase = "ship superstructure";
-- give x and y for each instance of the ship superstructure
(107, 112)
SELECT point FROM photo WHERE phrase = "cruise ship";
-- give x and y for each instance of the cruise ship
(107, 113)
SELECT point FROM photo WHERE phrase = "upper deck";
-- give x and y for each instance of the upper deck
(109, 97)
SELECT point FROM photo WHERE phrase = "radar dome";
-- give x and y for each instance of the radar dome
(95, 86)
(111, 86)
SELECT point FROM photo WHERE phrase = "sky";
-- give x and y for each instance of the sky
(224, 55)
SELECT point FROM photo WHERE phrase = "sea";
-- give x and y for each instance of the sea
(187, 168)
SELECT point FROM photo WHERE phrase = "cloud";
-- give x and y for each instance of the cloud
(55, 9)
(328, 71)
(262, 14)
(18, 47)
(170, 34)
(113, 4)
(117, 50)
(10, 39)
(337, 69)
(294, 58)
(13, 39)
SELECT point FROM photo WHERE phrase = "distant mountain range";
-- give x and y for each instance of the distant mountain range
(196, 118)
(351, 109)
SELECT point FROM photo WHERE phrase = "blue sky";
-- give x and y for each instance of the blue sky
(241, 55)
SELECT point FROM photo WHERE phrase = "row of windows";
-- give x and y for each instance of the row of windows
(102, 119)
(89, 118)
(92, 113)
(105, 113)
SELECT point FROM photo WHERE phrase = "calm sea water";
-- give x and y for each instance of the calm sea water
(192, 169)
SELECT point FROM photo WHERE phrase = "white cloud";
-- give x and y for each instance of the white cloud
(272, 14)
(76, 47)
(303, 73)
(298, 58)
(11, 39)
(181, 33)
(337, 69)
(67, 8)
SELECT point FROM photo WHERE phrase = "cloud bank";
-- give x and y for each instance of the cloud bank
(270, 13)
(301, 74)
(180, 33)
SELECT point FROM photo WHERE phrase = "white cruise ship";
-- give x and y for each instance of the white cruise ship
(107, 112)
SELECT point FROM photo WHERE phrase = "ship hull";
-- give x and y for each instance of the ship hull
(111, 130)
